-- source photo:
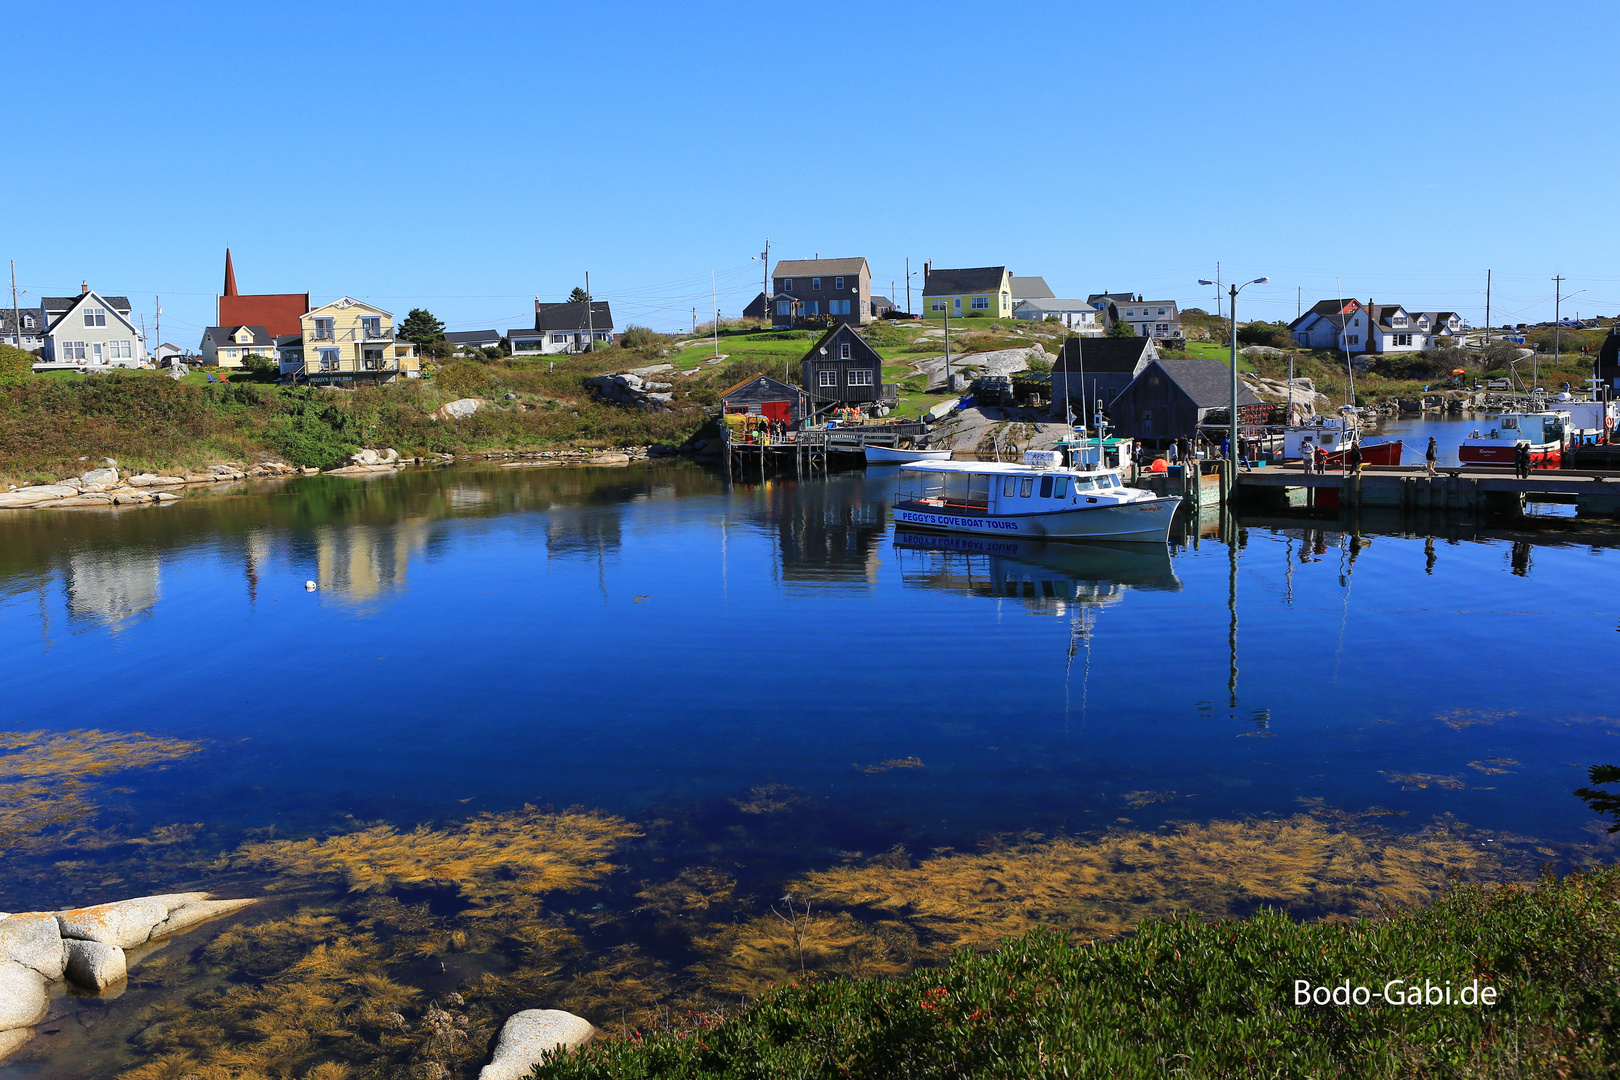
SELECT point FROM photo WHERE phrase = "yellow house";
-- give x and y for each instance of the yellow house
(347, 343)
(976, 290)
(230, 346)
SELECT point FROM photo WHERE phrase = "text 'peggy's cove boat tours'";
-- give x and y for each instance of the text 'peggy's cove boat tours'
(1036, 498)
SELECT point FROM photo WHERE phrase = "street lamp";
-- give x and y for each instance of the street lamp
(1231, 313)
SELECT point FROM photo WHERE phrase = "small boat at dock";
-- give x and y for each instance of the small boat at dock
(894, 455)
(1036, 499)
(1543, 432)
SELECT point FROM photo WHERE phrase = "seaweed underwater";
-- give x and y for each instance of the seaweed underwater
(48, 783)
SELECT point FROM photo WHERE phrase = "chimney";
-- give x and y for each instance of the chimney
(84, 287)
(928, 268)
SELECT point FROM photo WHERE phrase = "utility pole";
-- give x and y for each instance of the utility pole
(590, 323)
(1299, 303)
(1558, 288)
(16, 312)
(714, 301)
(694, 321)
(908, 285)
(1487, 309)
(157, 304)
(948, 350)
(1217, 291)
(765, 270)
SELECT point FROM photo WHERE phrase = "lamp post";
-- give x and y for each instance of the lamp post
(1231, 313)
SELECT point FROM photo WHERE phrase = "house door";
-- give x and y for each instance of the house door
(777, 410)
(95, 350)
(956, 304)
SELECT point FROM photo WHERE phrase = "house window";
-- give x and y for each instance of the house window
(838, 307)
(1354, 339)
(813, 307)
(28, 322)
(787, 284)
(980, 303)
(72, 350)
(323, 329)
(1398, 320)
(936, 305)
(95, 316)
(815, 284)
(838, 283)
(559, 339)
(827, 378)
(329, 359)
(602, 335)
(860, 377)
(1403, 339)
(782, 307)
(1161, 311)
(230, 354)
(372, 325)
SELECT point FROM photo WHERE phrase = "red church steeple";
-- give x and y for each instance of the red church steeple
(230, 275)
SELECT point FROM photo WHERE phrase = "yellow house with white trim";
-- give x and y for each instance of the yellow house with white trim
(976, 290)
(347, 343)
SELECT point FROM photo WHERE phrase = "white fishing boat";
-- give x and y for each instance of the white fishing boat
(1036, 499)
(894, 455)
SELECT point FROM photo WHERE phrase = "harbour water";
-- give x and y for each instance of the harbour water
(766, 681)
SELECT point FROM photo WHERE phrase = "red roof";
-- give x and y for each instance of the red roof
(278, 313)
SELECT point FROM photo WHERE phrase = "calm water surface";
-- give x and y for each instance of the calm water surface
(633, 640)
(620, 638)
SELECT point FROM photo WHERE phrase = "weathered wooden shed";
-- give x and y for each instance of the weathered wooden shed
(844, 369)
(1097, 369)
(761, 395)
(1169, 399)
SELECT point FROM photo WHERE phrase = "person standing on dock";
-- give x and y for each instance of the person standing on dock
(1355, 459)
(1521, 461)
(1321, 461)
(1307, 454)
(1430, 457)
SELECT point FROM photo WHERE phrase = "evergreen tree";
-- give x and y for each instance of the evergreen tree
(577, 295)
(1121, 328)
(421, 327)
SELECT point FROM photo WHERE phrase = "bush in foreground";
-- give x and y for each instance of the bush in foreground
(1188, 998)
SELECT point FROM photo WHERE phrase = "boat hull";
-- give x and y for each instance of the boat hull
(1386, 453)
(883, 455)
(1502, 454)
(1146, 521)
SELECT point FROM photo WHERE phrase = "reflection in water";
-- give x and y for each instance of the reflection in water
(1047, 578)
(111, 587)
(827, 533)
(360, 561)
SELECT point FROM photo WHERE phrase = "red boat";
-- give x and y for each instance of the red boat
(1378, 453)
(1543, 432)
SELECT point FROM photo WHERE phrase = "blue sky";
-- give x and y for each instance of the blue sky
(467, 158)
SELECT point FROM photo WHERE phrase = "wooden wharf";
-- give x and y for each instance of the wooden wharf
(1466, 487)
(807, 451)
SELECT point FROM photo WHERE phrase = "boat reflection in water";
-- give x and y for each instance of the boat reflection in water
(1047, 578)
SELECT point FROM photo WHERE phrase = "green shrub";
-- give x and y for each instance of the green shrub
(15, 365)
(1275, 335)
(464, 378)
(1184, 997)
(644, 340)
(312, 431)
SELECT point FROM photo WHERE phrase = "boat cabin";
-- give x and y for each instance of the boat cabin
(1538, 429)
(997, 489)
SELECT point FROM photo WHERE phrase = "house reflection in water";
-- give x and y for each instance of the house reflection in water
(112, 587)
(359, 562)
(1048, 579)
(828, 534)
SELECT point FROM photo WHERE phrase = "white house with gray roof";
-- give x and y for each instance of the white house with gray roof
(91, 330)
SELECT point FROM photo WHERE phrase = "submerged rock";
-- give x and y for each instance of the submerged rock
(94, 965)
(13, 1039)
(529, 1034)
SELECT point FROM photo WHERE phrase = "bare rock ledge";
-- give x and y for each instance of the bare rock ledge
(527, 1035)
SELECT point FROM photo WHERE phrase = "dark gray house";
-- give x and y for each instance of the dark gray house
(758, 308)
(842, 369)
(1097, 368)
(818, 292)
(462, 340)
(761, 395)
(1170, 399)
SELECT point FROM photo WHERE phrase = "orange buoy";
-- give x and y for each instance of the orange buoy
(1159, 465)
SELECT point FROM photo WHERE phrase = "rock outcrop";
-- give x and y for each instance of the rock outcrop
(628, 388)
(527, 1035)
(86, 946)
(459, 409)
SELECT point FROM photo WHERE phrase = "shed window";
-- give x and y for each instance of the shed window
(782, 307)
(860, 377)
(827, 378)
(843, 350)
(1046, 487)
(1026, 488)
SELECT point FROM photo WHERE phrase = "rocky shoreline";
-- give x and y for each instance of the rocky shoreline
(105, 486)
